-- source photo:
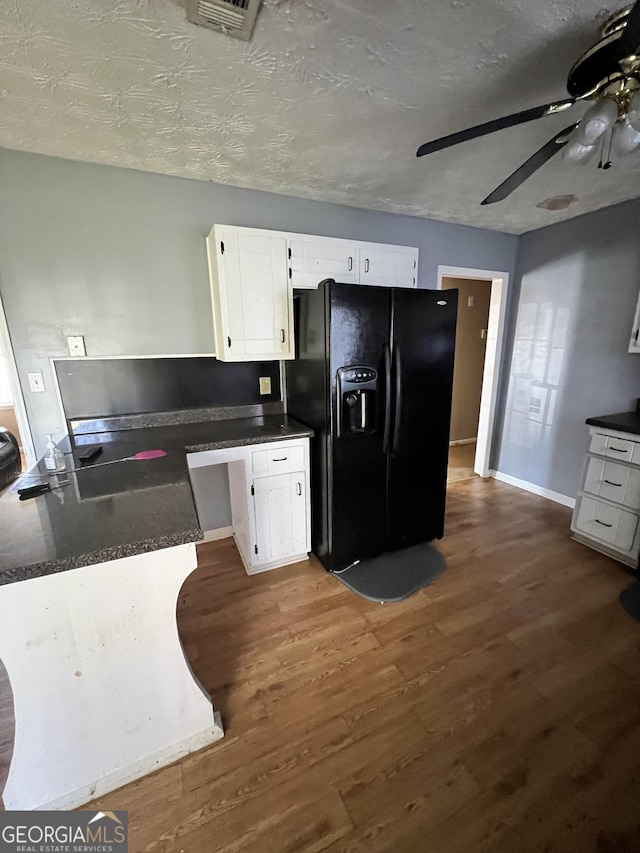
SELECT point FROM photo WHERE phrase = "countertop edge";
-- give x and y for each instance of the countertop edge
(620, 421)
(232, 442)
(155, 543)
(103, 555)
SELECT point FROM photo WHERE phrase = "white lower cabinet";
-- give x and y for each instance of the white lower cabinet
(270, 512)
(607, 512)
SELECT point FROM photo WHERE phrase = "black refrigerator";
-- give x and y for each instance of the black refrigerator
(373, 377)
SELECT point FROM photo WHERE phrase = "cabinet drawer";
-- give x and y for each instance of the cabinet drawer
(617, 448)
(614, 482)
(607, 523)
(278, 460)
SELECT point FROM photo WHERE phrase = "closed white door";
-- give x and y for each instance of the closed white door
(388, 266)
(312, 261)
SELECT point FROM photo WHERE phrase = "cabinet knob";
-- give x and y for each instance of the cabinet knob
(299, 488)
(366, 264)
(350, 267)
(282, 336)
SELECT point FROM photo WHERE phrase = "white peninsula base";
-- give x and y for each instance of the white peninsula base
(102, 690)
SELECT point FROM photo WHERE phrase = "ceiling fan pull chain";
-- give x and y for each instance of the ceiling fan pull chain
(609, 164)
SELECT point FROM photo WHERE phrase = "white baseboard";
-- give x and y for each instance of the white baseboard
(463, 441)
(114, 780)
(218, 533)
(565, 500)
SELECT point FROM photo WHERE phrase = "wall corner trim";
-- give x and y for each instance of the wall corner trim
(565, 500)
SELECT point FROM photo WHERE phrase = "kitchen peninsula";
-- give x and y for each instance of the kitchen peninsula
(89, 579)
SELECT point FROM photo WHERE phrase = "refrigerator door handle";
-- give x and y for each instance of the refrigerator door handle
(387, 399)
(397, 364)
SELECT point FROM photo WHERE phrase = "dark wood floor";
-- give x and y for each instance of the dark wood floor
(497, 710)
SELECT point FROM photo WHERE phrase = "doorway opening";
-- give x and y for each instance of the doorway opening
(13, 414)
(479, 335)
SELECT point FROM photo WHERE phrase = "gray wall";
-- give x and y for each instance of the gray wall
(210, 487)
(119, 256)
(572, 310)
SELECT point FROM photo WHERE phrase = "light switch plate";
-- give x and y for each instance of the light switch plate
(265, 384)
(470, 302)
(76, 345)
(36, 382)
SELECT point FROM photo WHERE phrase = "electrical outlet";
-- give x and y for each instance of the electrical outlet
(76, 345)
(265, 384)
(36, 382)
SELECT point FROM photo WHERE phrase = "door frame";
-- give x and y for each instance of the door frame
(19, 406)
(493, 356)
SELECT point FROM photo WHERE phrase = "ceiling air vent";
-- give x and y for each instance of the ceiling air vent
(231, 17)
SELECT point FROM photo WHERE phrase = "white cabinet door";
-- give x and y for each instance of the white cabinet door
(388, 266)
(280, 507)
(252, 301)
(312, 260)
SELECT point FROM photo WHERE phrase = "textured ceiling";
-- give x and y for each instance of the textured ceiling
(329, 100)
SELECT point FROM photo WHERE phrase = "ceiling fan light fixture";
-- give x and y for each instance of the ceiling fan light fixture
(597, 121)
(626, 138)
(576, 152)
(633, 113)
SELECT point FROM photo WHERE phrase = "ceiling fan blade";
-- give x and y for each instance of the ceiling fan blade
(496, 124)
(532, 165)
(630, 39)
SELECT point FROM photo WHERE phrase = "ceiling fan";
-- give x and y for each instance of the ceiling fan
(607, 74)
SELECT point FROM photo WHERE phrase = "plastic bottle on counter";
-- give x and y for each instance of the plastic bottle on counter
(53, 460)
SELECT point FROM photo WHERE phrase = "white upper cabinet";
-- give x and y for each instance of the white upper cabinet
(388, 266)
(313, 259)
(253, 273)
(252, 300)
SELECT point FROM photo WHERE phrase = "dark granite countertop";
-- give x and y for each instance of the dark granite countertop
(115, 511)
(624, 422)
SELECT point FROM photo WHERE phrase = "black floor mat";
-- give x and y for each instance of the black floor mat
(630, 600)
(396, 575)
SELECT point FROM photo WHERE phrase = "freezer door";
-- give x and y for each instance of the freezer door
(423, 342)
(359, 332)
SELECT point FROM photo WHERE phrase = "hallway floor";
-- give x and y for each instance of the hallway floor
(461, 458)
